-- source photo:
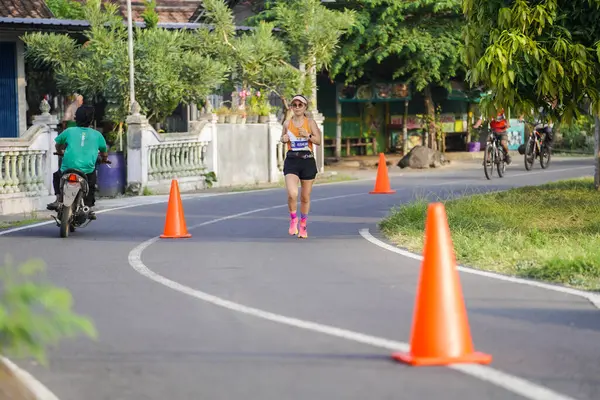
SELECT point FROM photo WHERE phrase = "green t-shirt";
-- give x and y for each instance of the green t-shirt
(82, 149)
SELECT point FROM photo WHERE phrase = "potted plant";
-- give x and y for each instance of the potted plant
(242, 116)
(222, 112)
(263, 113)
(252, 114)
(233, 116)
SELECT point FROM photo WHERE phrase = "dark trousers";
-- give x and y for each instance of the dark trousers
(89, 200)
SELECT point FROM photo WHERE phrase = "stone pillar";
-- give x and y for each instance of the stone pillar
(51, 163)
(137, 156)
(209, 134)
(274, 139)
(338, 125)
(319, 152)
(597, 152)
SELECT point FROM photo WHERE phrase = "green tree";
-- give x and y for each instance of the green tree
(170, 67)
(308, 32)
(417, 41)
(312, 33)
(536, 54)
(66, 9)
(256, 58)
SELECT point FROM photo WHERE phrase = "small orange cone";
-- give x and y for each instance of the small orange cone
(175, 226)
(382, 183)
(440, 331)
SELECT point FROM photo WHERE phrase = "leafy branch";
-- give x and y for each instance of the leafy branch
(33, 314)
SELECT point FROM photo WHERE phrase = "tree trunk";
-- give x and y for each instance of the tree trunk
(338, 125)
(430, 110)
(469, 123)
(302, 69)
(597, 152)
(313, 82)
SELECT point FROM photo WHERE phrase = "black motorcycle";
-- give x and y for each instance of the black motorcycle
(72, 212)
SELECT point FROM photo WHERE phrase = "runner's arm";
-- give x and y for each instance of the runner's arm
(315, 133)
(284, 133)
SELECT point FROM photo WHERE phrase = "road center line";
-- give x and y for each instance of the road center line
(520, 386)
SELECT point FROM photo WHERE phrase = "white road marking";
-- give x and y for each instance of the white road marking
(512, 383)
(528, 390)
(590, 167)
(24, 378)
(592, 297)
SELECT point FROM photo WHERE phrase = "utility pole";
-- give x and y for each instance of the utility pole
(130, 45)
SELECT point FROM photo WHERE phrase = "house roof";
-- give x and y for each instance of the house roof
(199, 11)
(178, 11)
(69, 25)
(24, 9)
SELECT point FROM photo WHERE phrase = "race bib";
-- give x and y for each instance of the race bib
(299, 145)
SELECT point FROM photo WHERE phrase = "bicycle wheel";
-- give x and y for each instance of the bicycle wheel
(488, 161)
(545, 156)
(529, 156)
(501, 162)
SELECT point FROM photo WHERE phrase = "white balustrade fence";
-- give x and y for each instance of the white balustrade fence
(26, 167)
(22, 171)
(176, 160)
(238, 154)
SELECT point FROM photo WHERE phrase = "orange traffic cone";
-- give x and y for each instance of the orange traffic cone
(175, 226)
(382, 183)
(440, 331)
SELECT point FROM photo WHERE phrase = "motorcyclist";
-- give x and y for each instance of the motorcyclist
(82, 146)
(499, 126)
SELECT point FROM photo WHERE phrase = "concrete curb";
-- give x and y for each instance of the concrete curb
(18, 384)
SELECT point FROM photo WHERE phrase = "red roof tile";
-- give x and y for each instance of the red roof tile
(24, 9)
(167, 10)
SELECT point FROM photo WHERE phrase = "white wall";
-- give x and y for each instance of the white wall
(243, 154)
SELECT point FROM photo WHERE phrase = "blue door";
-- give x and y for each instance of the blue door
(9, 100)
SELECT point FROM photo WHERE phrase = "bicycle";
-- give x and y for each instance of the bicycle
(535, 147)
(493, 155)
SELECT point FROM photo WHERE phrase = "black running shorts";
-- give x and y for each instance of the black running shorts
(304, 168)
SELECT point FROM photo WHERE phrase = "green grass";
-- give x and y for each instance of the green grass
(549, 232)
(14, 224)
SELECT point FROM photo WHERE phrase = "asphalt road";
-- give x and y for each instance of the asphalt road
(161, 340)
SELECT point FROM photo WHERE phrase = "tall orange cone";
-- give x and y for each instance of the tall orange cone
(175, 226)
(440, 331)
(382, 183)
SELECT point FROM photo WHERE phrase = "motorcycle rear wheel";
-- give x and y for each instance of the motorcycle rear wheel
(65, 222)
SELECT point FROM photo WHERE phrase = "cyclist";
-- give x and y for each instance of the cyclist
(545, 126)
(499, 126)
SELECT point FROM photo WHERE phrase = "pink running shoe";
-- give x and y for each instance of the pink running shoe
(293, 226)
(303, 234)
